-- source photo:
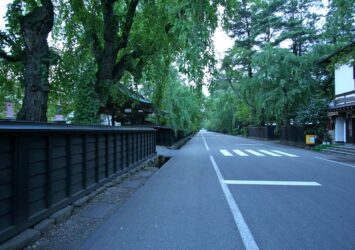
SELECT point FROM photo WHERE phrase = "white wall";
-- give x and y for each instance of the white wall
(344, 81)
(105, 119)
(340, 132)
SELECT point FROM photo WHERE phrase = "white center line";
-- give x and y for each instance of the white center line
(225, 152)
(269, 153)
(254, 152)
(283, 153)
(243, 228)
(349, 165)
(272, 183)
(207, 148)
(239, 152)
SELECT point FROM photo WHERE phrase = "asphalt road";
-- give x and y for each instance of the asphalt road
(226, 192)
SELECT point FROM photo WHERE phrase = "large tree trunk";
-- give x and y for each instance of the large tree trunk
(110, 71)
(107, 58)
(35, 28)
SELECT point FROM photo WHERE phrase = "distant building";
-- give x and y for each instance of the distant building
(9, 113)
(134, 111)
(59, 117)
(342, 109)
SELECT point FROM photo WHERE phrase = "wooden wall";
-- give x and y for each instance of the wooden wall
(45, 167)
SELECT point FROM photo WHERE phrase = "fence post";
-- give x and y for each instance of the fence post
(154, 142)
(84, 173)
(20, 180)
(96, 158)
(115, 153)
(122, 155)
(146, 144)
(48, 190)
(127, 151)
(68, 166)
(106, 156)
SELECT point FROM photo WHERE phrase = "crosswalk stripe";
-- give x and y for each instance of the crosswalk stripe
(254, 152)
(283, 153)
(239, 152)
(269, 153)
(276, 153)
(225, 152)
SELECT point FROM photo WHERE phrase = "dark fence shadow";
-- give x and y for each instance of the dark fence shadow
(167, 137)
(293, 135)
(264, 133)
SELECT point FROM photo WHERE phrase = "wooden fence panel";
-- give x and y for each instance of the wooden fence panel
(45, 167)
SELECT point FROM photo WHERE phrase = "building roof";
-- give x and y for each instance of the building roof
(346, 106)
(344, 49)
(133, 95)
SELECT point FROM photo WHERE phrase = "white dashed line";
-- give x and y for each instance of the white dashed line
(349, 165)
(207, 148)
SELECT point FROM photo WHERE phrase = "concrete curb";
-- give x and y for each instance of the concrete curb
(182, 142)
(81, 201)
(21, 240)
(62, 214)
(45, 225)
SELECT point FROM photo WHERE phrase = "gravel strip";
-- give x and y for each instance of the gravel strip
(76, 229)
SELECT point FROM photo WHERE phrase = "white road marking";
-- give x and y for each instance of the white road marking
(272, 183)
(240, 153)
(254, 152)
(207, 148)
(341, 163)
(244, 231)
(275, 153)
(225, 152)
(283, 153)
(269, 153)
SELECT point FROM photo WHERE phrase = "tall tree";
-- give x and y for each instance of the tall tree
(132, 42)
(239, 21)
(179, 104)
(299, 23)
(273, 84)
(27, 41)
(339, 27)
(109, 39)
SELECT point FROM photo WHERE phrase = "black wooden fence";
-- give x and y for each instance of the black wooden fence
(264, 133)
(293, 135)
(167, 137)
(45, 167)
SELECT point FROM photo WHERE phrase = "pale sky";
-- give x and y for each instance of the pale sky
(222, 42)
(3, 8)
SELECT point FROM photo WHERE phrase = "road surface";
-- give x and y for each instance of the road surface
(226, 192)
